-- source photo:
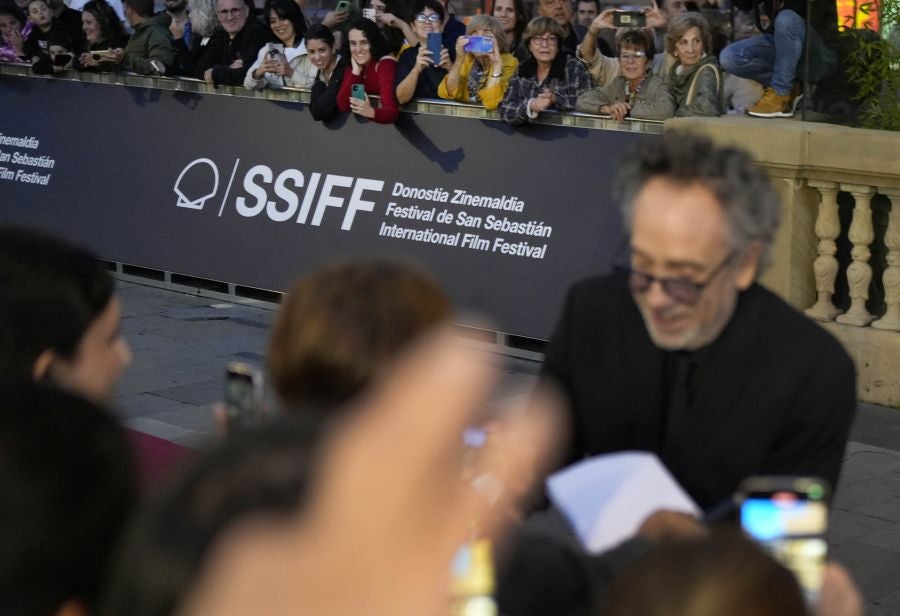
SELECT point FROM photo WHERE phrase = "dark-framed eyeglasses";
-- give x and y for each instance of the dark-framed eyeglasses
(423, 18)
(223, 13)
(682, 290)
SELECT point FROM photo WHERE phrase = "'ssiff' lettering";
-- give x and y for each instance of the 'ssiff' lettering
(287, 187)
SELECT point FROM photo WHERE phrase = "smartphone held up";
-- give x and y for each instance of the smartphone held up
(243, 395)
(479, 44)
(434, 46)
(629, 19)
(788, 516)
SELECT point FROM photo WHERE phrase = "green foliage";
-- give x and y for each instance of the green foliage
(873, 66)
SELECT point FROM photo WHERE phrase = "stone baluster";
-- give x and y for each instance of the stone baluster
(825, 267)
(859, 273)
(891, 278)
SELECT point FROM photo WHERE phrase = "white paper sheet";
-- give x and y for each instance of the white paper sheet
(608, 496)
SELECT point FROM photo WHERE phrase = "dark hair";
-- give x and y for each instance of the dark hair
(637, 38)
(50, 293)
(393, 36)
(259, 472)
(287, 9)
(320, 32)
(67, 485)
(60, 38)
(144, 8)
(419, 6)
(523, 16)
(106, 17)
(725, 573)
(13, 11)
(742, 188)
(378, 44)
(596, 3)
(343, 324)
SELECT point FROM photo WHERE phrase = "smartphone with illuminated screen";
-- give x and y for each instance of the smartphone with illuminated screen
(788, 516)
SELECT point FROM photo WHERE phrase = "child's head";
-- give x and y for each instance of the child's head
(59, 45)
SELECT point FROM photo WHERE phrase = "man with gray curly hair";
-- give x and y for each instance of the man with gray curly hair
(682, 353)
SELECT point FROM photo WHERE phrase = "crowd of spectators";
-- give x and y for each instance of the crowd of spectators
(518, 65)
(355, 495)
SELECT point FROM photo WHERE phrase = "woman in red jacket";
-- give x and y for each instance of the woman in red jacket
(372, 66)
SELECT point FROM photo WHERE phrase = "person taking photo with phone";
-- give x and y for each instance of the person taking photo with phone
(480, 77)
(103, 32)
(372, 70)
(420, 69)
(286, 63)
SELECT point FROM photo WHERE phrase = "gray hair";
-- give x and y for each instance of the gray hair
(741, 187)
(203, 17)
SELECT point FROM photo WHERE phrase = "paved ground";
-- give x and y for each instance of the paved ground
(183, 342)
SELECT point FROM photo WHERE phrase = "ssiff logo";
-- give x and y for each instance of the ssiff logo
(195, 183)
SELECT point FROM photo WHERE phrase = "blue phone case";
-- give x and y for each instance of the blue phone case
(434, 46)
(479, 44)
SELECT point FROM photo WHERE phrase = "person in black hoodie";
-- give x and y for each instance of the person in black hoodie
(36, 44)
(69, 20)
(322, 53)
(230, 53)
(774, 57)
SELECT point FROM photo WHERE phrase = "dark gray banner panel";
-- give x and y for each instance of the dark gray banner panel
(255, 192)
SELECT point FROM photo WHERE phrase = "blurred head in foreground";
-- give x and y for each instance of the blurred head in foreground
(67, 488)
(343, 325)
(59, 316)
(724, 573)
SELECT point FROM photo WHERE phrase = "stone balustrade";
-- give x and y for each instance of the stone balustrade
(837, 253)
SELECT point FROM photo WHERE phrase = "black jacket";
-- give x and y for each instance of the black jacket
(222, 51)
(774, 394)
(323, 98)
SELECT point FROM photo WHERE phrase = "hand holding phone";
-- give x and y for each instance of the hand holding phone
(789, 517)
(243, 395)
(479, 44)
(629, 19)
(434, 46)
(342, 7)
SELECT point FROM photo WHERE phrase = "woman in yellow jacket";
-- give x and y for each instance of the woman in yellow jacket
(480, 78)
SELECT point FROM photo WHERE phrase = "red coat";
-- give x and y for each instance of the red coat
(378, 78)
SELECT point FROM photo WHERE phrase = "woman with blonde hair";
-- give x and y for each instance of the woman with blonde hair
(480, 78)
